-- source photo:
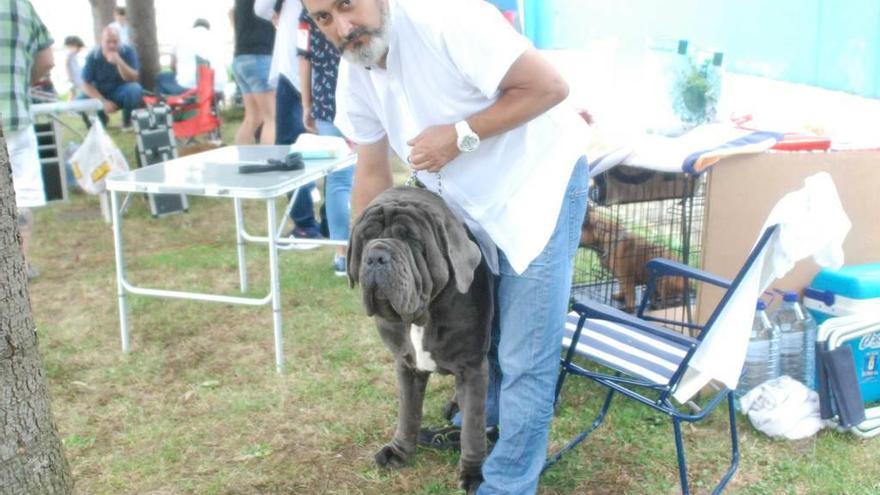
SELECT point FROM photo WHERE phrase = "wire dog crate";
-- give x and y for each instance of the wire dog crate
(635, 215)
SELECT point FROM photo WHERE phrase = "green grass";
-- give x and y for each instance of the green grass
(197, 407)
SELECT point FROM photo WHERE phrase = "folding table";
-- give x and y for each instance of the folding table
(215, 174)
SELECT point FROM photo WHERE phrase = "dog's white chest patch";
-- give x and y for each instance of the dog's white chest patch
(423, 358)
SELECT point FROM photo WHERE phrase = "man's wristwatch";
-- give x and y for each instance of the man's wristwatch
(467, 139)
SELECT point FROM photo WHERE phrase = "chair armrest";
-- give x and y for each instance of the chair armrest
(601, 311)
(661, 267)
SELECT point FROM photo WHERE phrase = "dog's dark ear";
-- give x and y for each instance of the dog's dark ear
(352, 266)
(463, 254)
(356, 244)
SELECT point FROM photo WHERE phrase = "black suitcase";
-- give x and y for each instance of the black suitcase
(155, 144)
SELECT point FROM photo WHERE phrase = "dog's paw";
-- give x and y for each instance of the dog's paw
(469, 482)
(391, 457)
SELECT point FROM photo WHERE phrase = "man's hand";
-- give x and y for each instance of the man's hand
(433, 148)
(109, 106)
(112, 57)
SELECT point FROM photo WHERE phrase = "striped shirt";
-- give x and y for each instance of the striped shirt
(22, 35)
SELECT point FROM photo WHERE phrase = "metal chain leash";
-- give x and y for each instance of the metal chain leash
(413, 181)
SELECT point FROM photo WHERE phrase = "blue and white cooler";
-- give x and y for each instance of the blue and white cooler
(846, 304)
(845, 291)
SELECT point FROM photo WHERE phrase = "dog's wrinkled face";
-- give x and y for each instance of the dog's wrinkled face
(405, 249)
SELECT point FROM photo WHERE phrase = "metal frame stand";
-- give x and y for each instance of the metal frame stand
(272, 239)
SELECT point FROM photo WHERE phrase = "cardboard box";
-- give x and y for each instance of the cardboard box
(743, 189)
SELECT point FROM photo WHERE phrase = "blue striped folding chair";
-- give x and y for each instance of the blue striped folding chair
(647, 360)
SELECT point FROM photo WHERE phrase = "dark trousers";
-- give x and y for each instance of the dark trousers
(127, 96)
(288, 127)
(166, 84)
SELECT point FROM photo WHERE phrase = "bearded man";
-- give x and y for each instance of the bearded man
(475, 110)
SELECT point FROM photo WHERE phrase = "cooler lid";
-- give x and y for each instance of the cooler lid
(855, 282)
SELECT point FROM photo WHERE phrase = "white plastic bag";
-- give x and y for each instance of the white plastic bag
(783, 408)
(96, 158)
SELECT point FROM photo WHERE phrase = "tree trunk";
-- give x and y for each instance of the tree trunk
(102, 14)
(31, 458)
(142, 24)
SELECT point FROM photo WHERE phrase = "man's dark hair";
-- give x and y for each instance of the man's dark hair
(202, 23)
(74, 41)
(119, 10)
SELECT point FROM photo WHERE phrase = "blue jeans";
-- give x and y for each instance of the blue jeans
(166, 84)
(337, 191)
(251, 73)
(127, 96)
(526, 344)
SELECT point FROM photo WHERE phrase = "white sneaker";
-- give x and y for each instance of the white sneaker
(339, 266)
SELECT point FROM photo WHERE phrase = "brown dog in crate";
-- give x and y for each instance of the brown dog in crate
(626, 254)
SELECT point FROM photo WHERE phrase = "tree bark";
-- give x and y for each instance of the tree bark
(31, 457)
(102, 14)
(142, 24)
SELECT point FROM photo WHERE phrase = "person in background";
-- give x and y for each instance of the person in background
(196, 44)
(111, 75)
(284, 14)
(72, 64)
(120, 23)
(25, 57)
(319, 68)
(254, 39)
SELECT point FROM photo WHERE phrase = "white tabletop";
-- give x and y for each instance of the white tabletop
(54, 107)
(215, 173)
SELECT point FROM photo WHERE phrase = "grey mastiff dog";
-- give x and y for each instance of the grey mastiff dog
(431, 294)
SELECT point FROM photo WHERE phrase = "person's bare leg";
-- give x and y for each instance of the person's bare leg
(266, 105)
(248, 127)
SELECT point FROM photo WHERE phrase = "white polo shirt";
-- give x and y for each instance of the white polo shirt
(445, 63)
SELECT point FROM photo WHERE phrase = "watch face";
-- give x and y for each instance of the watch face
(469, 143)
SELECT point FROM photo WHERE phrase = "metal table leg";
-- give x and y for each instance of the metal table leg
(283, 220)
(275, 286)
(239, 244)
(120, 269)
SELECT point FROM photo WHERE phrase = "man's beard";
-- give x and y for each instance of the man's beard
(370, 53)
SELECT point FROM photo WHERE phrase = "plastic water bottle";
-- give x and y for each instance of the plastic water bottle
(811, 331)
(798, 340)
(762, 357)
